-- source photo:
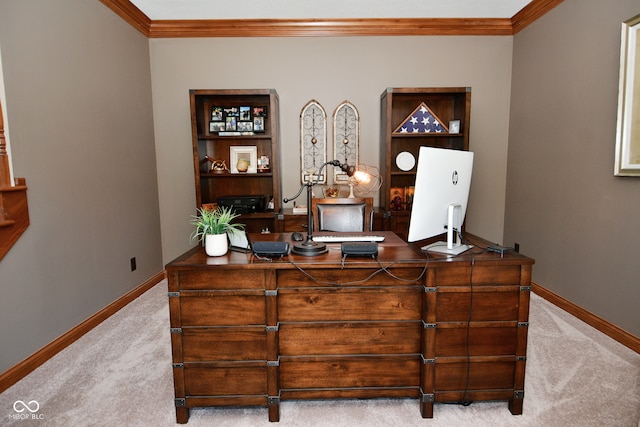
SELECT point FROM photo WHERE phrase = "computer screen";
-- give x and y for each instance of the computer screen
(443, 180)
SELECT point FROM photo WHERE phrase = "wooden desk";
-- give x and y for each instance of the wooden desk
(246, 332)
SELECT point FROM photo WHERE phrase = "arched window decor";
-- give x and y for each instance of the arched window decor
(346, 138)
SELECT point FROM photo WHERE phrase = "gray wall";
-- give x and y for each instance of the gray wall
(78, 94)
(563, 204)
(329, 70)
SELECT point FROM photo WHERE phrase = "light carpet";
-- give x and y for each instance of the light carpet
(119, 374)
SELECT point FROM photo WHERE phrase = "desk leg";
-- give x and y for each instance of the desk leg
(274, 410)
(182, 415)
(426, 409)
(426, 404)
(515, 404)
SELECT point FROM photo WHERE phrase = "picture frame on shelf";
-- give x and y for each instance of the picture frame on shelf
(396, 197)
(244, 127)
(244, 113)
(231, 112)
(217, 126)
(454, 126)
(259, 111)
(627, 155)
(258, 124)
(231, 123)
(243, 153)
(217, 113)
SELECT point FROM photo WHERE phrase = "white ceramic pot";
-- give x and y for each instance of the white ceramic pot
(216, 244)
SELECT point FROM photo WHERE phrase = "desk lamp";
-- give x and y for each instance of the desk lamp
(309, 247)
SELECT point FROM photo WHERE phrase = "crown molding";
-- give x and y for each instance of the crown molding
(531, 12)
(330, 27)
(130, 13)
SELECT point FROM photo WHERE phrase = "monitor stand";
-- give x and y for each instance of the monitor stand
(451, 246)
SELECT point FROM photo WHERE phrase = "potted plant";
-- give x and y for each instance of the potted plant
(212, 226)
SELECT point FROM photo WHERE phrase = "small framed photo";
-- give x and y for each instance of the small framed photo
(216, 114)
(243, 154)
(244, 113)
(231, 123)
(258, 123)
(245, 126)
(231, 111)
(396, 198)
(216, 127)
(454, 126)
(260, 111)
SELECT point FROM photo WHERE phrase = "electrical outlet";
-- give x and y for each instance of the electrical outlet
(133, 264)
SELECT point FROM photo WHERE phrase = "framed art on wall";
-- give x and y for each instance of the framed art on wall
(627, 158)
(313, 142)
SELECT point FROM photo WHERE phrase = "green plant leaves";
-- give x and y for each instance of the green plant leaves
(217, 221)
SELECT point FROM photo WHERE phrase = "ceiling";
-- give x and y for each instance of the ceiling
(327, 9)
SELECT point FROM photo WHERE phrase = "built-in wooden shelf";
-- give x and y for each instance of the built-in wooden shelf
(14, 215)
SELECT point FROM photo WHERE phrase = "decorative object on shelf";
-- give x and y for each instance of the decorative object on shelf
(263, 164)
(217, 166)
(212, 227)
(401, 198)
(330, 192)
(346, 138)
(365, 181)
(408, 196)
(309, 247)
(397, 198)
(242, 165)
(244, 159)
(421, 120)
(454, 126)
(405, 161)
(627, 158)
(313, 141)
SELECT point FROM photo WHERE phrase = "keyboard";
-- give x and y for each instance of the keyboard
(339, 238)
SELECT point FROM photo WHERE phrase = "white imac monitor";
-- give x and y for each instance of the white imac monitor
(440, 198)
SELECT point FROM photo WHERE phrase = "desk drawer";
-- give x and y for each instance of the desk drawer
(378, 338)
(222, 308)
(484, 339)
(489, 303)
(225, 379)
(347, 372)
(482, 275)
(220, 279)
(226, 343)
(484, 373)
(349, 304)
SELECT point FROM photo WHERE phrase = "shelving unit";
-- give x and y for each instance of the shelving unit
(396, 104)
(209, 143)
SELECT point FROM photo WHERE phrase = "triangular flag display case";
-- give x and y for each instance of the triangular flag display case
(408, 118)
(422, 120)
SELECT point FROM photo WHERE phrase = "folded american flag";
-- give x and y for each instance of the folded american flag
(422, 120)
